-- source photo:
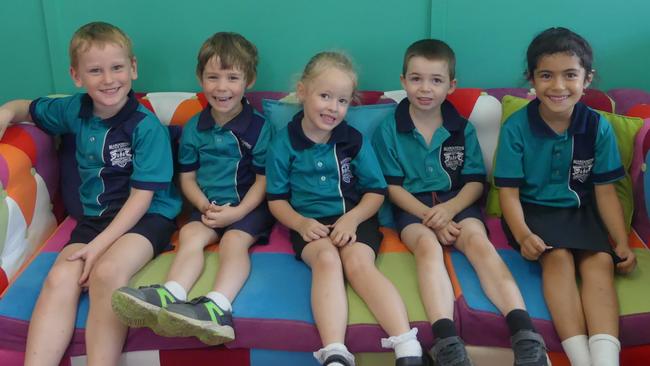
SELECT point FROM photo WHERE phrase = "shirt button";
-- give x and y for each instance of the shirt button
(429, 169)
(91, 157)
(319, 164)
(218, 139)
(322, 178)
(92, 138)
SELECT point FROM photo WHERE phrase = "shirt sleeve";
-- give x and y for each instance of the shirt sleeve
(368, 172)
(508, 170)
(188, 152)
(473, 166)
(152, 156)
(607, 164)
(278, 166)
(386, 153)
(53, 114)
(261, 147)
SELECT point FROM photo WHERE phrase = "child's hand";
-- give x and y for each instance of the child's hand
(437, 217)
(88, 255)
(217, 216)
(5, 118)
(629, 259)
(310, 229)
(344, 231)
(448, 234)
(533, 246)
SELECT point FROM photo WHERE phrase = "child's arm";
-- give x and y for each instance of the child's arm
(344, 230)
(438, 216)
(193, 192)
(134, 208)
(224, 215)
(12, 112)
(532, 246)
(611, 212)
(309, 229)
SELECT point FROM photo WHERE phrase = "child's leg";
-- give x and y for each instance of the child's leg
(433, 280)
(328, 298)
(374, 288)
(383, 299)
(234, 263)
(105, 334)
(500, 287)
(52, 322)
(496, 279)
(600, 304)
(188, 264)
(563, 301)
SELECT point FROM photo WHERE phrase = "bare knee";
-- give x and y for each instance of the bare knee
(475, 244)
(107, 273)
(64, 275)
(192, 239)
(327, 260)
(597, 267)
(428, 250)
(559, 262)
(357, 266)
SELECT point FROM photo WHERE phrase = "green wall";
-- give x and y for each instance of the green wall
(489, 37)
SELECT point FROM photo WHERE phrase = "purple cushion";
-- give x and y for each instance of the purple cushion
(625, 98)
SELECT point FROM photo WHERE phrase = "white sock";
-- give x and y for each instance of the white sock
(604, 349)
(577, 350)
(405, 345)
(334, 349)
(176, 289)
(220, 300)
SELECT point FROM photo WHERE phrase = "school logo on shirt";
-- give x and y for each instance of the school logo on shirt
(453, 156)
(346, 173)
(581, 169)
(120, 154)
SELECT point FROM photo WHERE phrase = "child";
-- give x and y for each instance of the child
(324, 183)
(222, 158)
(125, 162)
(556, 164)
(432, 162)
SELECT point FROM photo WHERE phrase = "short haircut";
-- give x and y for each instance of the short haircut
(431, 49)
(97, 33)
(233, 50)
(559, 40)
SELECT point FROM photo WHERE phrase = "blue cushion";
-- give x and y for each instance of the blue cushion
(364, 118)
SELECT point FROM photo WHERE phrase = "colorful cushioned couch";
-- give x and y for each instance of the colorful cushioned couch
(273, 320)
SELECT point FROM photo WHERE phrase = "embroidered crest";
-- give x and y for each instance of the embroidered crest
(453, 156)
(581, 169)
(120, 154)
(346, 173)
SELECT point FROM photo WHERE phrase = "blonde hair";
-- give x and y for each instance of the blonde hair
(97, 33)
(326, 60)
(233, 50)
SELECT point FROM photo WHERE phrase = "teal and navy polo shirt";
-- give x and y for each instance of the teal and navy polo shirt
(452, 159)
(226, 158)
(130, 149)
(321, 180)
(553, 169)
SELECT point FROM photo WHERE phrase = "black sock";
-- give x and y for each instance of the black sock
(444, 328)
(517, 320)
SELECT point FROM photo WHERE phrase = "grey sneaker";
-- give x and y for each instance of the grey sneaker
(201, 318)
(529, 349)
(450, 351)
(140, 307)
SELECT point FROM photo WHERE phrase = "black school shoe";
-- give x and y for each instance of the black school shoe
(412, 361)
(450, 351)
(529, 349)
(337, 358)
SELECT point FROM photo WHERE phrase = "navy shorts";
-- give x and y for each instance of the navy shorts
(574, 228)
(156, 228)
(404, 219)
(367, 233)
(258, 223)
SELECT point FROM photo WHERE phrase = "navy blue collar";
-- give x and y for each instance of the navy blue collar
(131, 105)
(239, 124)
(299, 141)
(579, 119)
(451, 119)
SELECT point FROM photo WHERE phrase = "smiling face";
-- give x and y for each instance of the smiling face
(427, 83)
(106, 72)
(224, 89)
(325, 100)
(559, 81)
